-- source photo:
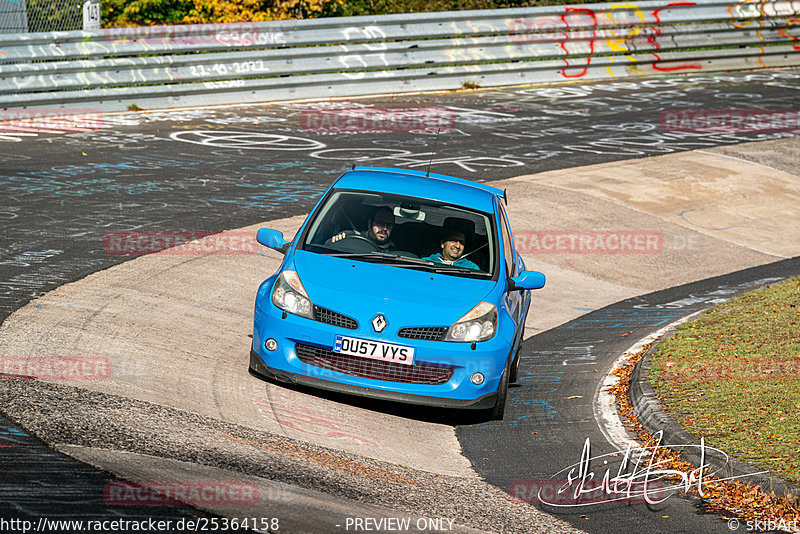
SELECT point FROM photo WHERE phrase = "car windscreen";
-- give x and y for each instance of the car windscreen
(404, 232)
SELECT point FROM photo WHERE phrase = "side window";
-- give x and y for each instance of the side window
(508, 248)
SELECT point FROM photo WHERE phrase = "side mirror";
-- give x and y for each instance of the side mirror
(272, 239)
(527, 280)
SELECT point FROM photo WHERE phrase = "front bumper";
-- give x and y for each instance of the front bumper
(283, 364)
(260, 369)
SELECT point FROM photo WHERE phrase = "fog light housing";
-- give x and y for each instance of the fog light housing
(477, 378)
(270, 344)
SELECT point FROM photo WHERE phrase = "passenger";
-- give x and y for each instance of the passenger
(452, 245)
(379, 229)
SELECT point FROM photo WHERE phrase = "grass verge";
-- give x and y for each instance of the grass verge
(733, 377)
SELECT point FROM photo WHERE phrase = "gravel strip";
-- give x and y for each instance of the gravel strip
(65, 414)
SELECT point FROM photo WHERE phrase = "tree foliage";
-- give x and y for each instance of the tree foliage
(144, 12)
(49, 16)
(153, 12)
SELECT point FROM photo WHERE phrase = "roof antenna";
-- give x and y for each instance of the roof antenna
(433, 154)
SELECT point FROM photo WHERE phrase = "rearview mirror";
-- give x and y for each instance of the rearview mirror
(528, 280)
(409, 212)
(272, 239)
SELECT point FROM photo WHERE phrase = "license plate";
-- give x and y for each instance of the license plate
(376, 350)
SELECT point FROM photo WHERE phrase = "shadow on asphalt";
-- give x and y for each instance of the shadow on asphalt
(427, 414)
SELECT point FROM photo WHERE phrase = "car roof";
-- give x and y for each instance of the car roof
(417, 183)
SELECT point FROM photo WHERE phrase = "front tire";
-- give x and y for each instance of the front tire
(515, 364)
(514, 370)
(502, 394)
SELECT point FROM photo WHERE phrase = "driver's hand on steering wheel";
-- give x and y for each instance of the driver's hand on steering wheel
(338, 237)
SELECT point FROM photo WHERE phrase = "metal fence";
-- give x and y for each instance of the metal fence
(24, 16)
(172, 66)
(13, 16)
(54, 15)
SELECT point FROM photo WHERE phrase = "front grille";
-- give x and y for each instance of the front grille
(425, 333)
(327, 316)
(374, 369)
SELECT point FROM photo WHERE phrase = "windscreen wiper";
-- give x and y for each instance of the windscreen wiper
(393, 259)
(387, 258)
(358, 255)
(384, 258)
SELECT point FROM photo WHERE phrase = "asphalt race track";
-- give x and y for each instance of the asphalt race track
(147, 172)
(553, 403)
(178, 404)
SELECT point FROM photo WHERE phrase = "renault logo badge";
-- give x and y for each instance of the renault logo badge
(379, 323)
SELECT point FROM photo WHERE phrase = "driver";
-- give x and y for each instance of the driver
(379, 229)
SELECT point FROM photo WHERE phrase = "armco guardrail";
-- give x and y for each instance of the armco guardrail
(171, 66)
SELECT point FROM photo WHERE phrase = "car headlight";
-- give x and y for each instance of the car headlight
(479, 324)
(290, 295)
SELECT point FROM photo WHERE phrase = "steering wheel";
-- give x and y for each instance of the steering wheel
(356, 243)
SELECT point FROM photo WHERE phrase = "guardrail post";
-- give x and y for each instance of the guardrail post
(91, 15)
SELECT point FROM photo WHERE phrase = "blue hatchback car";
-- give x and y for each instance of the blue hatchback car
(400, 285)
